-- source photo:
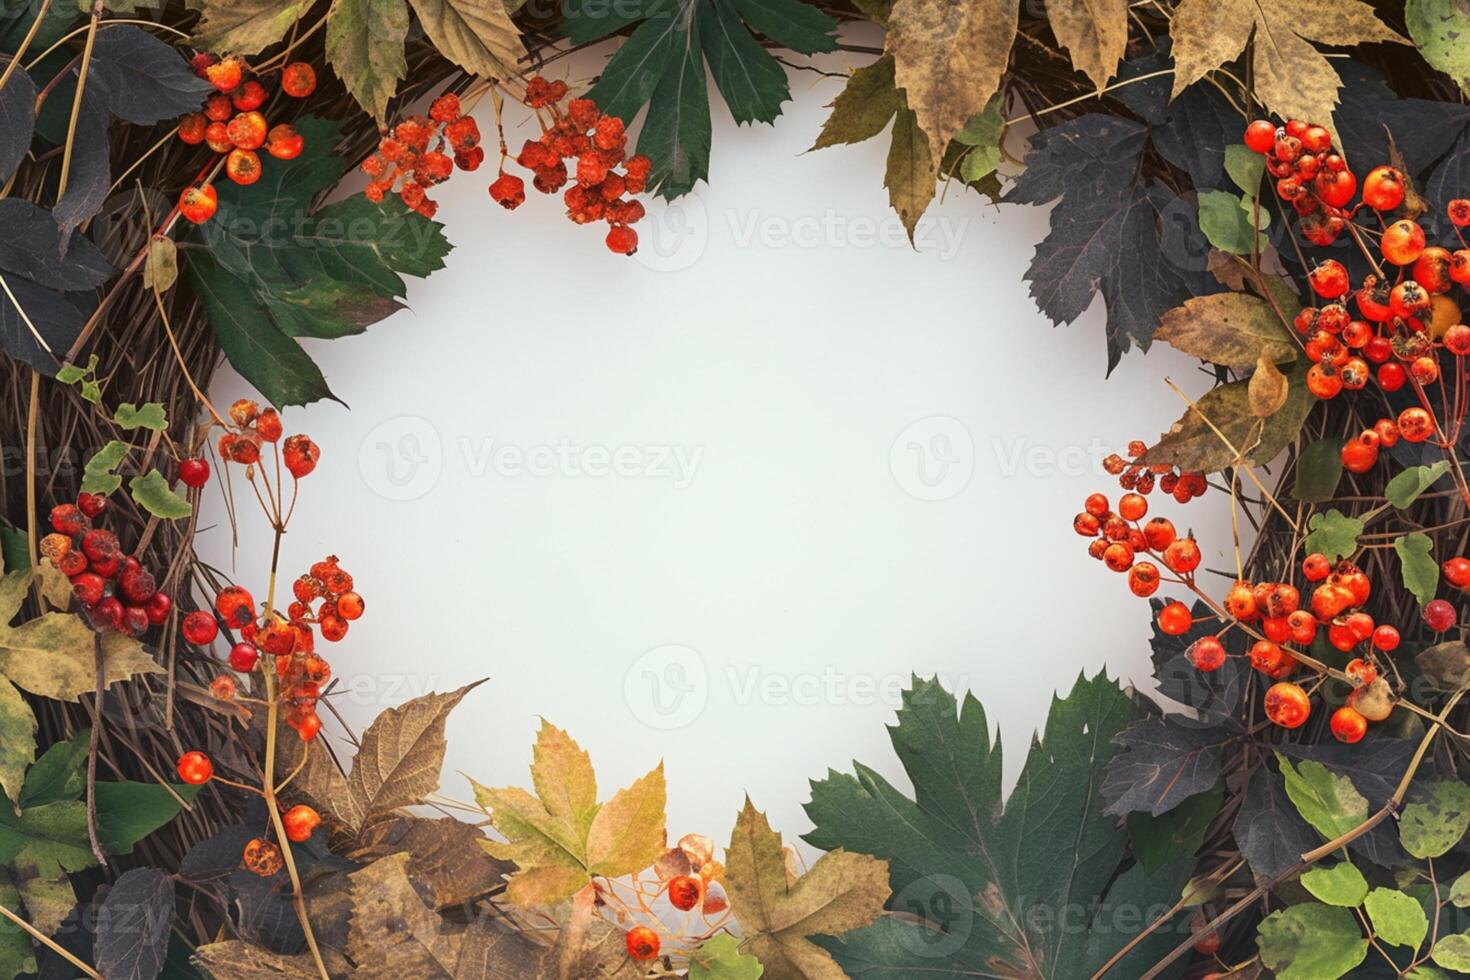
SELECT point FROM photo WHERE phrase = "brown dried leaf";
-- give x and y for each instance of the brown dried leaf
(236, 960)
(477, 35)
(1446, 664)
(161, 267)
(444, 856)
(1291, 76)
(244, 27)
(1191, 444)
(401, 753)
(842, 891)
(863, 107)
(949, 57)
(1233, 329)
(912, 170)
(1267, 389)
(1095, 32)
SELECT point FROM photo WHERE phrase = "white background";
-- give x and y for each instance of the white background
(827, 376)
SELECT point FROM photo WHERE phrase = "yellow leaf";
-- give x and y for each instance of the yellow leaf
(911, 173)
(245, 26)
(1095, 32)
(562, 774)
(1291, 77)
(1268, 389)
(628, 833)
(949, 57)
(842, 891)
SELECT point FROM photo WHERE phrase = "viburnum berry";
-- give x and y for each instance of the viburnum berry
(247, 130)
(298, 79)
(1182, 555)
(195, 768)
(218, 108)
(263, 858)
(157, 608)
(1175, 619)
(1348, 725)
(1360, 671)
(1158, 533)
(243, 166)
(251, 95)
(1143, 579)
(198, 204)
(243, 657)
(1460, 266)
(350, 606)
(1457, 571)
(283, 142)
(300, 455)
(194, 472)
(299, 822)
(1260, 136)
(1132, 507)
(1458, 212)
(685, 892)
(1439, 615)
(1329, 279)
(1287, 705)
(235, 605)
(622, 240)
(268, 425)
(1415, 424)
(1403, 242)
(642, 943)
(1360, 454)
(191, 128)
(200, 628)
(1207, 654)
(217, 137)
(1386, 638)
(225, 75)
(67, 519)
(1383, 189)
(1118, 556)
(87, 587)
(1268, 657)
(508, 190)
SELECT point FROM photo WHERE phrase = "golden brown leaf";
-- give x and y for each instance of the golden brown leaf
(842, 891)
(477, 35)
(949, 57)
(1193, 444)
(401, 753)
(1094, 32)
(1268, 389)
(1233, 329)
(237, 960)
(444, 856)
(911, 173)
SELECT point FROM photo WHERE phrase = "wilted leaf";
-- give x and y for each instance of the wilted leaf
(1193, 444)
(949, 57)
(1289, 75)
(1311, 942)
(842, 892)
(401, 752)
(1318, 470)
(1267, 390)
(1397, 919)
(133, 925)
(1233, 329)
(864, 107)
(238, 960)
(1333, 534)
(1446, 664)
(1326, 800)
(1428, 828)
(477, 35)
(1417, 565)
(911, 171)
(161, 267)
(245, 26)
(1340, 884)
(1440, 29)
(444, 856)
(365, 48)
(1094, 32)
(151, 492)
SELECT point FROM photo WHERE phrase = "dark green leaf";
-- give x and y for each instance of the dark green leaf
(791, 24)
(17, 118)
(752, 83)
(676, 132)
(58, 774)
(1317, 471)
(15, 550)
(128, 812)
(1177, 834)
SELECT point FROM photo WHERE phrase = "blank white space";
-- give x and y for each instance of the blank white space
(795, 553)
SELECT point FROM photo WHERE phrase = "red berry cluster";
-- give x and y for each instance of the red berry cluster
(596, 144)
(114, 589)
(1310, 175)
(1140, 478)
(1118, 539)
(254, 427)
(232, 124)
(404, 154)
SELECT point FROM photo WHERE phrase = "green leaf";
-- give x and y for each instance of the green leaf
(1311, 942)
(1460, 891)
(1453, 952)
(751, 82)
(676, 132)
(152, 493)
(1406, 487)
(365, 48)
(1440, 29)
(960, 853)
(1233, 329)
(52, 837)
(128, 812)
(1397, 919)
(17, 957)
(150, 416)
(798, 26)
(58, 775)
(91, 392)
(1333, 534)
(15, 550)
(1175, 834)
(1317, 471)
(1245, 166)
(17, 739)
(1340, 884)
(1226, 225)
(97, 475)
(720, 959)
(1431, 827)
(245, 26)
(1419, 569)
(864, 107)
(71, 373)
(1192, 444)
(1327, 801)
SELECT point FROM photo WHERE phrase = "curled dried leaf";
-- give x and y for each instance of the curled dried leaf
(1268, 389)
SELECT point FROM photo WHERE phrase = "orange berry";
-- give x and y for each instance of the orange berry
(1207, 654)
(195, 768)
(1143, 578)
(298, 80)
(1287, 705)
(1182, 555)
(685, 892)
(247, 130)
(1403, 242)
(243, 166)
(299, 822)
(1132, 506)
(1159, 533)
(224, 75)
(284, 143)
(198, 204)
(1175, 619)
(263, 858)
(1348, 725)
(191, 128)
(642, 943)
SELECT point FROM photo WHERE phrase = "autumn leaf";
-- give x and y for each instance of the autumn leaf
(1233, 329)
(245, 26)
(949, 57)
(1193, 443)
(911, 171)
(477, 35)
(843, 891)
(561, 837)
(1095, 32)
(365, 48)
(1291, 77)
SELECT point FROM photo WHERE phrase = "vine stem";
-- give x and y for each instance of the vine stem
(76, 101)
(25, 43)
(50, 943)
(99, 663)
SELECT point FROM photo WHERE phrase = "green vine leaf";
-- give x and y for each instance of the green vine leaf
(1439, 28)
(152, 493)
(1420, 570)
(1178, 833)
(1227, 224)
(720, 959)
(1245, 167)
(1334, 534)
(1311, 942)
(1406, 487)
(151, 416)
(17, 738)
(1460, 891)
(365, 48)
(1397, 919)
(1327, 801)
(97, 475)
(1429, 828)
(1318, 470)
(1341, 884)
(1453, 952)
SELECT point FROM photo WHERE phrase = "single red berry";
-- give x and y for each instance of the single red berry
(1439, 615)
(1316, 567)
(1260, 136)
(157, 608)
(685, 892)
(642, 941)
(298, 79)
(283, 142)
(195, 768)
(1182, 555)
(191, 128)
(1330, 279)
(1386, 638)
(1175, 619)
(300, 455)
(1287, 705)
(198, 204)
(224, 75)
(1457, 571)
(194, 472)
(1403, 241)
(1206, 654)
(200, 628)
(243, 657)
(1348, 725)
(509, 191)
(299, 822)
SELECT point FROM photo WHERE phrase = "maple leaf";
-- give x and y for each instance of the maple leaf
(949, 57)
(561, 837)
(1095, 32)
(843, 891)
(1291, 77)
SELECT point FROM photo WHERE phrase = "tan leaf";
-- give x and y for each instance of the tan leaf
(161, 266)
(1267, 389)
(1291, 77)
(1233, 329)
(401, 753)
(949, 57)
(17, 739)
(477, 35)
(1446, 664)
(842, 891)
(245, 26)
(55, 586)
(864, 106)
(47, 900)
(319, 783)
(628, 833)
(1095, 32)
(236, 960)
(1192, 444)
(911, 173)
(444, 856)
